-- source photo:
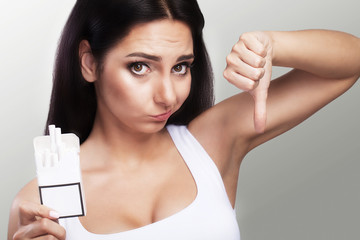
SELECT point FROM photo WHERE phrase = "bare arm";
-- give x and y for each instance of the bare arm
(328, 54)
(326, 64)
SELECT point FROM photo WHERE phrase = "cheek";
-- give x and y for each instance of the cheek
(184, 90)
(124, 92)
(114, 87)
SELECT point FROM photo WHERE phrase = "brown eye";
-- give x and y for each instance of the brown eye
(139, 68)
(180, 69)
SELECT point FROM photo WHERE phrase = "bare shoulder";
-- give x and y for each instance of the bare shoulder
(29, 193)
(214, 129)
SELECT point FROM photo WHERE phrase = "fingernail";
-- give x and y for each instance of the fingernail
(54, 214)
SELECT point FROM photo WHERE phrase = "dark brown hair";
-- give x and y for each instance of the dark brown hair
(104, 23)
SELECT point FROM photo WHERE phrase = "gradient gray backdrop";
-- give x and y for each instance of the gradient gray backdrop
(303, 185)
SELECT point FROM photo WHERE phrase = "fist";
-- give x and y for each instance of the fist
(249, 67)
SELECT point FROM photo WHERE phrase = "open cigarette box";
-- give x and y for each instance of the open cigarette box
(58, 172)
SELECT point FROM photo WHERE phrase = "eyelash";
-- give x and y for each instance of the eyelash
(131, 66)
(187, 65)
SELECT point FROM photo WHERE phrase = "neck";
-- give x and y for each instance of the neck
(117, 144)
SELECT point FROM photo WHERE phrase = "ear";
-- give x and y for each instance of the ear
(87, 61)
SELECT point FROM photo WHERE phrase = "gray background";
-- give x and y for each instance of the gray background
(302, 185)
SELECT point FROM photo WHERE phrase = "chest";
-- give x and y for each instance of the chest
(118, 201)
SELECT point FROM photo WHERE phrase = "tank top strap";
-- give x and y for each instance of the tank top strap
(200, 164)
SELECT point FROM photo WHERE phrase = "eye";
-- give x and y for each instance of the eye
(181, 69)
(139, 68)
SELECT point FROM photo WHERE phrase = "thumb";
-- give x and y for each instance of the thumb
(260, 94)
(260, 114)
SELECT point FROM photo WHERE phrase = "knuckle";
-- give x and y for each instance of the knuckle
(231, 60)
(257, 75)
(19, 234)
(259, 62)
(44, 223)
(262, 73)
(263, 62)
(232, 78)
(22, 207)
(262, 51)
(244, 36)
(228, 59)
(236, 48)
(250, 86)
(62, 234)
(227, 76)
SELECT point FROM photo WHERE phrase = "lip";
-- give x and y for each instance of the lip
(162, 117)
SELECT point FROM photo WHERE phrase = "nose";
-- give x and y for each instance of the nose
(165, 93)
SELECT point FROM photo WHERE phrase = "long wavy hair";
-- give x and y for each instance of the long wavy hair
(103, 23)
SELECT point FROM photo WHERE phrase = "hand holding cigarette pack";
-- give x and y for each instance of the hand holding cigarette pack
(58, 172)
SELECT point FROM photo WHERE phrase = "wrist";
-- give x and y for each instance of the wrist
(274, 47)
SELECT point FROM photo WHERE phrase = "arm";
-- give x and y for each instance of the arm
(30, 220)
(326, 64)
(329, 54)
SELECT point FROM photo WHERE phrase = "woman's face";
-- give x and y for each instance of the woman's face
(146, 77)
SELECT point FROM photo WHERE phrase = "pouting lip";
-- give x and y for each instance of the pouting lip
(163, 116)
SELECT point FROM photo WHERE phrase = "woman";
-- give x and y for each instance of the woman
(125, 74)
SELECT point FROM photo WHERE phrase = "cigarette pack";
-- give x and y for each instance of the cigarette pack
(58, 172)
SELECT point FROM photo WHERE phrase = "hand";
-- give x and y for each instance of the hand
(249, 67)
(38, 222)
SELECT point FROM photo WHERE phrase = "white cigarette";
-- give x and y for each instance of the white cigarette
(52, 138)
(59, 143)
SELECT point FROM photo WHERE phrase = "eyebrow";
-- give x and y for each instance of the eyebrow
(185, 57)
(158, 58)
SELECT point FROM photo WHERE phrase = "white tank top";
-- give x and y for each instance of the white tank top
(210, 216)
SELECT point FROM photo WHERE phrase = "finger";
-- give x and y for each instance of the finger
(254, 44)
(46, 226)
(240, 81)
(248, 56)
(234, 63)
(260, 95)
(29, 212)
(253, 59)
(41, 229)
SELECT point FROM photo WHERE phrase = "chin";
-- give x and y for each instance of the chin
(153, 127)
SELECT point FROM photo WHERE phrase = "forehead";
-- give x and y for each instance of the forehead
(157, 37)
